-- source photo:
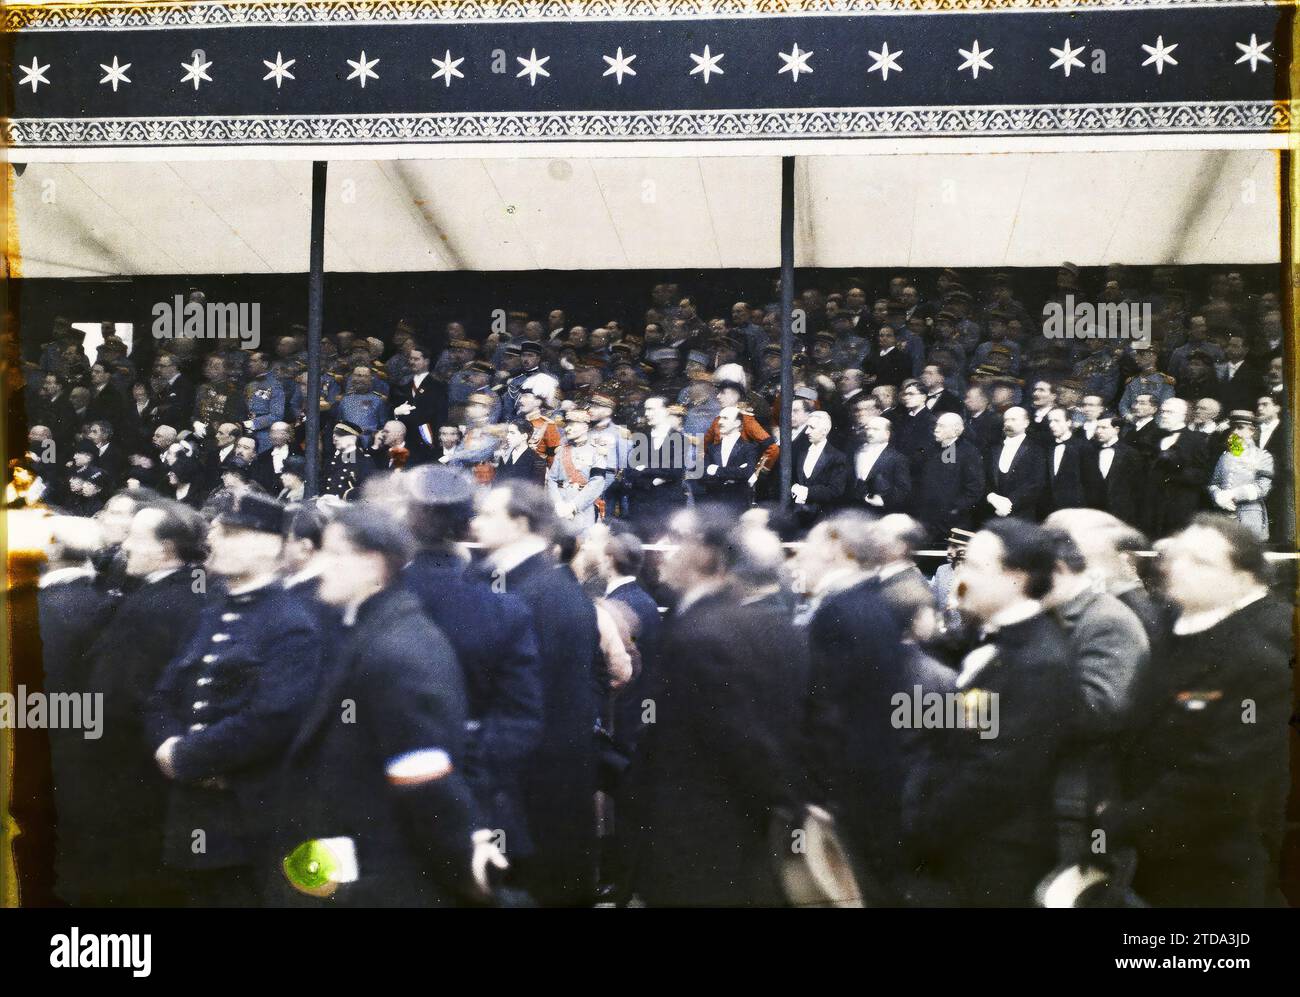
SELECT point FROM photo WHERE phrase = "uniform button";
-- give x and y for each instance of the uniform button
(195, 728)
(204, 681)
(218, 638)
(200, 704)
(209, 658)
(229, 617)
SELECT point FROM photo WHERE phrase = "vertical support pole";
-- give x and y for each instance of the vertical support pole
(787, 329)
(315, 303)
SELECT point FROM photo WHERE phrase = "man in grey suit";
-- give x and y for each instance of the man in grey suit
(1109, 652)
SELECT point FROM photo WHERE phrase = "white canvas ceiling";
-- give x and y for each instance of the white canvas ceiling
(1009, 210)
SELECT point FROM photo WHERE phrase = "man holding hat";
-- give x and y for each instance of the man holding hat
(226, 708)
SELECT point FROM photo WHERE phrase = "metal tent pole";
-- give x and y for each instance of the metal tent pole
(315, 301)
(787, 329)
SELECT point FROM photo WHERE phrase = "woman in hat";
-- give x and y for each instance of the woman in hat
(1243, 476)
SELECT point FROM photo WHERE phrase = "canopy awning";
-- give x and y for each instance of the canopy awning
(88, 219)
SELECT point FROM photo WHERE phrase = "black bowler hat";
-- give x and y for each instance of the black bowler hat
(432, 485)
(254, 511)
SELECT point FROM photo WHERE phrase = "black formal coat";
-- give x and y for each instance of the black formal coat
(413, 841)
(913, 436)
(627, 708)
(138, 426)
(985, 429)
(60, 418)
(723, 754)
(1024, 483)
(112, 804)
(1065, 485)
(893, 368)
(531, 466)
(560, 782)
(1175, 484)
(856, 758)
(1278, 500)
(263, 471)
(176, 403)
(652, 504)
(950, 489)
(234, 695)
(1242, 391)
(826, 484)
(980, 811)
(890, 477)
(946, 401)
(729, 485)
(493, 636)
(107, 404)
(1205, 791)
(72, 615)
(1144, 440)
(1120, 493)
(430, 401)
(113, 463)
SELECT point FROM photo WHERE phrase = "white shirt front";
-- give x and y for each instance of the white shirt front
(1010, 447)
(1266, 432)
(1105, 458)
(866, 459)
(278, 455)
(1058, 452)
(811, 458)
(728, 444)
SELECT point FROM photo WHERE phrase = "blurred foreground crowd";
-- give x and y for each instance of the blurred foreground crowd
(342, 703)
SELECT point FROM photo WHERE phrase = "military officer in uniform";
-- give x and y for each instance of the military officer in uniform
(347, 466)
(264, 397)
(1099, 372)
(1149, 382)
(577, 479)
(226, 708)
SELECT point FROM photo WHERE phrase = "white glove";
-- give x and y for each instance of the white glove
(163, 756)
(406, 408)
(486, 854)
(875, 500)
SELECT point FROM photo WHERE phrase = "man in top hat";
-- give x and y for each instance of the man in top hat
(226, 708)
(347, 467)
